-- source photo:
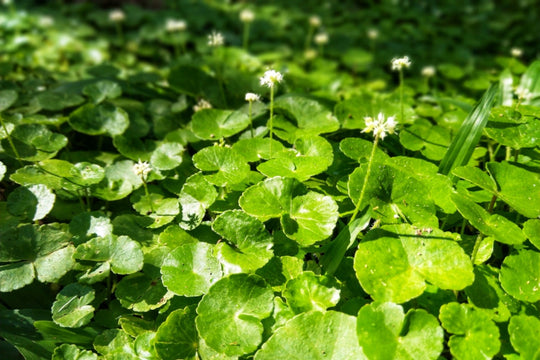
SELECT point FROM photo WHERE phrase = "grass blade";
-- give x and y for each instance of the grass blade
(468, 136)
(336, 251)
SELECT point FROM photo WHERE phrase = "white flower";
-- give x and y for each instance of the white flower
(523, 93)
(321, 38)
(372, 34)
(400, 63)
(46, 21)
(428, 71)
(216, 39)
(516, 52)
(315, 21)
(380, 126)
(251, 97)
(142, 169)
(247, 16)
(117, 15)
(202, 104)
(310, 54)
(175, 25)
(270, 78)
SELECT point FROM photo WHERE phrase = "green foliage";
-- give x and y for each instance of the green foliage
(149, 209)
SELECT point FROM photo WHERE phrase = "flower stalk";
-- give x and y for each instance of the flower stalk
(380, 126)
(270, 79)
(398, 64)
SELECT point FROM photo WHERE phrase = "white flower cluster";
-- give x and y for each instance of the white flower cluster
(174, 25)
(428, 71)
(315, 21)
(321, 38)
(142, 169)
(46, 21)
(372, 34)
(400, 63)
(247, 16)
(516, 52)
(380, 126)
(202, 104)
(523, 94)
(117, 15)
(251, 97)
(270, 78)
(216, 39)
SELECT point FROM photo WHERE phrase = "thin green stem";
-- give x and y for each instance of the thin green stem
(401, 94)
(271, 121)
(245, 36)
(120, 33)
(366, 179)
(251, 120)
(11, 141)
(308, 37)
(477, 243)
(148, 196)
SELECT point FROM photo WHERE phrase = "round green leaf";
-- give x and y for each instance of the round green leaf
(311, 292)
(86, 225)
(196, 196)
(51, 267)
(360, 149)
(124, 255)
(190, 269)
(99, 119)
(312, 218)
(524, 332)
(155, 206)
(298, 167)
(72, 352)
(249, 245)
(475, 335)
(397, 268)
(213, 124)
(134, 148)
(119, 181)
(72, 306)
(519, 187)
(497, 226)
(255, 149)
(520, 275)
(507, 127)
(139, 292)
(85, 174)
(177, 337)
(416, 335)
(230, 314)
(34, 142)
(312, 117)
(270, 198)
(7, 98)
(486, 294)
(43, 251)
(101, 90)
(32, 202)
(167, 156)
(314, 336)
(15, 276)
(531, 229)
(58, 100)
(225, 165)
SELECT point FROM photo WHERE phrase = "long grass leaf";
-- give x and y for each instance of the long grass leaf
(530, 80)
(468, 136)
(336, 251)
